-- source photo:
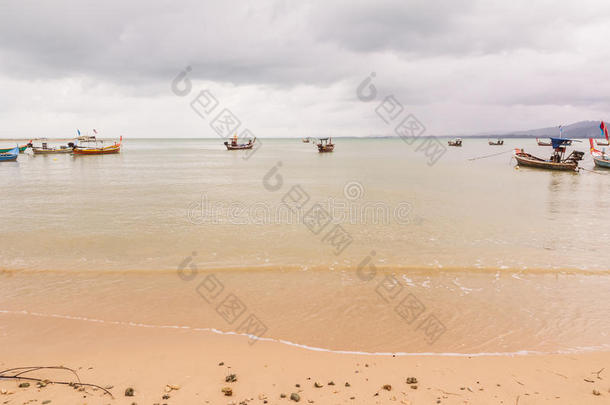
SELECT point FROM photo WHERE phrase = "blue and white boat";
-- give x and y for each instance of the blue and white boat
(9, 156)
(599, 157)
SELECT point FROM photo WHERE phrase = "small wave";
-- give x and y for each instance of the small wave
(524, 352)
(415, 270)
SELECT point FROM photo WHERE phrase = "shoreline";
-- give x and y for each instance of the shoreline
(305, 347)
(568, 271)
(150, 360)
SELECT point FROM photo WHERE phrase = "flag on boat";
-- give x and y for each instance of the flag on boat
(78, 130)
(604, 129)
(94, 130)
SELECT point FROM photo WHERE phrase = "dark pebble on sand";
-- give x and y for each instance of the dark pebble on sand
(129, 392)
(295, 397)
(24, 385)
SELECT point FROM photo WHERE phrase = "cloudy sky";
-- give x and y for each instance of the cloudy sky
(293, 68)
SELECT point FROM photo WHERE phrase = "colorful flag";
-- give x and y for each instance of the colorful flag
(604, 129)
(94, 130)
(78, 130)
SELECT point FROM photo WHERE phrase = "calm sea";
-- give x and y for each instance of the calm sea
(361, 249)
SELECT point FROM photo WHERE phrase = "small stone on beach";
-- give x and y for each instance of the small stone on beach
(227, 391)
(387, 387)
(231, 378)
(24, 385)
(129, 392)
(295, 397)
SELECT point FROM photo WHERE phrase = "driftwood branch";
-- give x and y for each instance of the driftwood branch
(17, 373)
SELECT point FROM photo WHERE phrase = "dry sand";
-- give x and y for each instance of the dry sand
(148, 360)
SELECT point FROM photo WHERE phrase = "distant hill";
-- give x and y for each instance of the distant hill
(582, 129)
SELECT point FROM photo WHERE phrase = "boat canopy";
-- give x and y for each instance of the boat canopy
(558, 142)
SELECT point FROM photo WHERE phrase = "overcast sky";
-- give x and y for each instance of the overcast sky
(293, 68)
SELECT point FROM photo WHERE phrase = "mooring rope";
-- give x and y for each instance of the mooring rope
(592, 171)
(495, 154)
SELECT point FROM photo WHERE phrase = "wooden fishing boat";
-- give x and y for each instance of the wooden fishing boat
(542, 143)
(305, 140)
(239, 146)
(455, 142)
(103, 150)
(22, 148)
(325, 145)
(45, 150)
(557, 160)
(497, 142)
(599, 157)
(10, 155)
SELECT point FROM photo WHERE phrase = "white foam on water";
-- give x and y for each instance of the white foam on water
(254, 338)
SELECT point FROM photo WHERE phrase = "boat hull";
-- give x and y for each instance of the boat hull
(109, 150)
(601, 162)
(326, 149)
(8, 158)
(238, 147)
(530, 161)
(42, 151)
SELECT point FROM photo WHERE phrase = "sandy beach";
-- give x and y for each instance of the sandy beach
(329, 203)
(190, 367)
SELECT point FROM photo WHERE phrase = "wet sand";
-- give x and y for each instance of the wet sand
(148, 360)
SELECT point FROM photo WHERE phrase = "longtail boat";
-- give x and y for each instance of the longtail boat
(325, 145)
(239, 146)
(45, 150)
(542, 143)
(104, 150)
(455, 142)
(556, 161)
(10, 155)
(497, 142)
(22, 148)
(305, 140)
(599, 157)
